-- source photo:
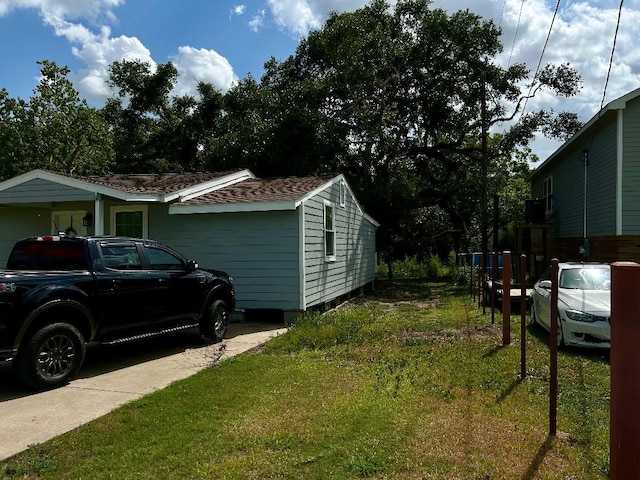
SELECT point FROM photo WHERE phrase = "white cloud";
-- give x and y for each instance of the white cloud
(257, 20)
(98, 54)
(301, 16)
(77, 21)
(70, 9)
(239, 9)
(202, 65)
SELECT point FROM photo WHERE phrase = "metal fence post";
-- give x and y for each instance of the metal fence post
(553, 351)
(523, 317)
(506, 298)
(625, 371)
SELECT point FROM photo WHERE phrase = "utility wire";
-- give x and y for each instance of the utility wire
(502, 13)
(546, 42)
(515, 35)
(606, 83)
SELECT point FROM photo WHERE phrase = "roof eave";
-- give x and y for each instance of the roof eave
(619, 103)
(77, 183)
(178, 209)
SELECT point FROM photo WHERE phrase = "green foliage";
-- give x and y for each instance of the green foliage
(55, 130)
(461, 275)
(434, 267)
(154, 130)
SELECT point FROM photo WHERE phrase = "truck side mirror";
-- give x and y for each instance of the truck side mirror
(192, 265)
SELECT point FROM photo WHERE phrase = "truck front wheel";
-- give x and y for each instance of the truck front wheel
(50, 357)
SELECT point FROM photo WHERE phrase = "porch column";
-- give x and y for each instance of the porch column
(98, 210)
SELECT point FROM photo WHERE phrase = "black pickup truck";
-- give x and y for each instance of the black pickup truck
(59, 293)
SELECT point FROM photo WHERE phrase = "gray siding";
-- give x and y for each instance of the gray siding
(631, 170)
(37, 190)
(259, 250)
(355, 263)
(568, 185)
(17, 223)
(601, 201)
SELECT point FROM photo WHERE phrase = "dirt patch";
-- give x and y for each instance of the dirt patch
(479, 333)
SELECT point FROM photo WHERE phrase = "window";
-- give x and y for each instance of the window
(129, 221)
(54, 255)
(343, 193)
(329, 232)
(162, 260)
(121, 257)
(547, 194)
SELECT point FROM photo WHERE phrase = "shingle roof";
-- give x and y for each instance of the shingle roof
(161, 183)
(261, 190)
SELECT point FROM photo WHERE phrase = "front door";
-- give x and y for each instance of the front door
(68, 222)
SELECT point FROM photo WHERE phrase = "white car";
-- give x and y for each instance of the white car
(584, 304)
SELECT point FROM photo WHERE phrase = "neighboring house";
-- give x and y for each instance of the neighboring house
(289, 243)
(599, 202)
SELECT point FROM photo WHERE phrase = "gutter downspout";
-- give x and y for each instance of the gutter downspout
(619, 165)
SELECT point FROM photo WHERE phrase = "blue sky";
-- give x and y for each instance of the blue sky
(220, 41)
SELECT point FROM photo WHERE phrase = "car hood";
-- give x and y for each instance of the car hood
(588, 301)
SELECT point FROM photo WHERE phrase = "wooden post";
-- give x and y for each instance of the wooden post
(625, 371)
(506, 298)
(523, 317)
(553, 351)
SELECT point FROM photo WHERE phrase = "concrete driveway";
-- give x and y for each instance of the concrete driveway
(110, 377)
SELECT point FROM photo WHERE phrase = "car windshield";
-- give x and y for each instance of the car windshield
(585, 278)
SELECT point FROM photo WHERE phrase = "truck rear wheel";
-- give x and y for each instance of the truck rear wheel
(214, 324)
(50, 357)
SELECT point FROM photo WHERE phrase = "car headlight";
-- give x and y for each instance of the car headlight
(579, 316)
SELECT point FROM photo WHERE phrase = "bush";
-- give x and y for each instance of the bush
(407, 268)
(434, 267)
(461, 275)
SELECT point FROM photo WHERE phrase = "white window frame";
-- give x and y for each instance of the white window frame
(547, 194)
(343, 193)
(329, 257)
(131, 208)
(73, 213)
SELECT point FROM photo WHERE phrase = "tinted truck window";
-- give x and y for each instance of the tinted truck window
(47, 255)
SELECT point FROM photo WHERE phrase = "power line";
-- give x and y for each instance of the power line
(606, 82)
(546, 42)
(515, 35)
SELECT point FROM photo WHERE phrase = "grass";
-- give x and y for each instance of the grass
(409, 382)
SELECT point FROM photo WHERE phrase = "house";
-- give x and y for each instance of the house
(590, 187)
(290, 243)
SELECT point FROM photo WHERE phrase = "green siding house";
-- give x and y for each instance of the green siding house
(290, 243)
(590, 187)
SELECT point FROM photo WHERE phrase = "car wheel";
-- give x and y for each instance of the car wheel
(215, 322)
(532, 315)
(50, 357)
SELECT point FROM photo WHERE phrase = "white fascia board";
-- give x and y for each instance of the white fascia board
(76, 183)
(333, 181)
(178, 209)
(208, 187)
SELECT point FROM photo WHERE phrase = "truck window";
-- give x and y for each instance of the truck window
(47, 255)
(121, 257)
(163, 260)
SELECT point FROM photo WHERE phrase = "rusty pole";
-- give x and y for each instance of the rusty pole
(523, 317)
(506, 298)
(625, 371)
(553, 351)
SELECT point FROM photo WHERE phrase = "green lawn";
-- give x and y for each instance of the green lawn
(408, 382)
